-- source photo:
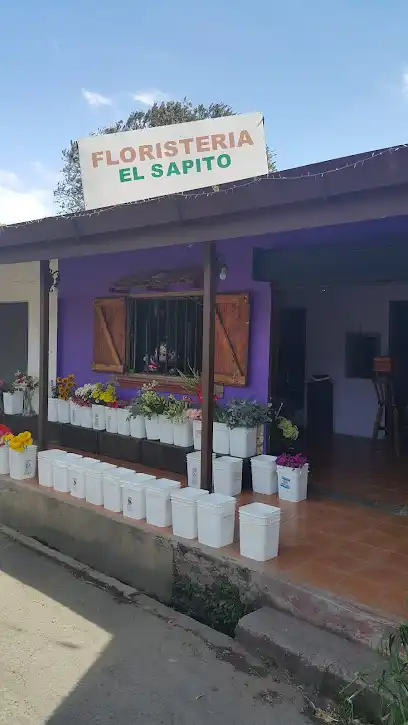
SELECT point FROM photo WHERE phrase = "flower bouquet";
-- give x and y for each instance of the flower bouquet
(66, 411)
(53, 402)
(293, 473)
(176, 413)
(4, 450)
(27, 385)
(147, 405)
(102, 397)
(83, 399)
(23, 455)
(244, 418)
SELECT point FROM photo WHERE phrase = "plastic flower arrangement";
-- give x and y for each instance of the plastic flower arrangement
(19, 442)
(66, 387)
(291, 461)
(105, 395)
(147, 402)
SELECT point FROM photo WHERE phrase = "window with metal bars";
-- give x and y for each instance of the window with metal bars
(164, 335)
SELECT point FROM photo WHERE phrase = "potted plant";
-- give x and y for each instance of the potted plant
(53, 402)
(66, 388)
(137, 417)
(4, 450)
(243, 418)
(23, 455)
(165, 423)
(13, 398)
(102, 396)
(83, 399)
(111, 417)
(193, 386)
(194, 416)
(149, 404)
(177, 413)
(293, 470)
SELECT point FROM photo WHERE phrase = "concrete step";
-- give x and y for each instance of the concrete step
(316, 657)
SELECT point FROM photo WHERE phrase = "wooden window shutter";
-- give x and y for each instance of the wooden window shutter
(109, 343)
(231, 339)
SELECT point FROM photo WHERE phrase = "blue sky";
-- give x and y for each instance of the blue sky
(330, 76)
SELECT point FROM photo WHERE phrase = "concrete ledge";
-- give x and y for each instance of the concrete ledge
(317, 658)
(157, 563)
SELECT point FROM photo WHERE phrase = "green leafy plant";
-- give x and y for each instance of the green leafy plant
(242, 413)
(175, 409)
(147, 402)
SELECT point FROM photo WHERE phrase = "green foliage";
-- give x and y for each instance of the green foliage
(219, 605)
(68, 193)
(147, 402)
(175, 409)
(390, 687)
(242, 413)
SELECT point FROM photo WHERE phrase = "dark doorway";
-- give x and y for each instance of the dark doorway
(13, 354)
(398, 351)
(290, 383)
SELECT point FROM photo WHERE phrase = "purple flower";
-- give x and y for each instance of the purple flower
(291, 461)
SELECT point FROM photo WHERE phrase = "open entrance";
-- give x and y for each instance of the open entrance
(339, 360)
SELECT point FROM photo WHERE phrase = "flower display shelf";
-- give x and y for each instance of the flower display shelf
(165, 456)
(114, 445)
(81, 439)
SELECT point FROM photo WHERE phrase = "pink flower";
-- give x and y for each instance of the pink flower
(193, 413)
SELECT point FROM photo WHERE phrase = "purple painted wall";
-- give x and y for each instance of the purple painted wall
(84, 279)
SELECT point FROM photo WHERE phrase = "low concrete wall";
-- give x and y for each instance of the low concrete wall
(202, 583)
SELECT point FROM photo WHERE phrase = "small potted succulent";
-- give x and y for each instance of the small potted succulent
(103, 396)
(177, 413)
(293, 470)
(149, 404)
(243, 418)
(83, 399)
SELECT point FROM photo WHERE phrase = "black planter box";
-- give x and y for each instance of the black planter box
(83, 439)
(152, 454)
(246, 475)
(54, 433)
(117, 446)
(20, 423)
(174, 458)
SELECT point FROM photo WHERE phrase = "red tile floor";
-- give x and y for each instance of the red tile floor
(357, 552)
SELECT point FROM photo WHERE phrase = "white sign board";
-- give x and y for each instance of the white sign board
(134, 165)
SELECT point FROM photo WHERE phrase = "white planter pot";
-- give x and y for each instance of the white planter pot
(292, 483)
(75, 413)
(123, 422)
(158, 504)
(152, 428)
(243, 442)
(13, 403)
(4, 460)
(138, 427)
(98, 417)
(45, 461)
(221, 439)
(64, 415)
(264, 475)
(94, 482)
(166, 430)
(259, 531)
(194, 469)
(22, 465)
(184, 511)
(76, 475)
(86, 416)
(183, 434)
(216, 519)
(112, 491)
(53, 410)
(134, 494)
(197, 434)
(112, 420)
(227, 474)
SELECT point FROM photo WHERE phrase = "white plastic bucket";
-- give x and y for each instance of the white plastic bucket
(216, 519)
(134, 494)
(63, 411)
(76, 475)
(112, 494)
(197, 425)
(194, 468)
(138, 427)
(264, 475)
(98, 417)
(152, 428)
(183, 434)
(86, 416)
(111, 420)
(45, 459)
(22, 465)
(243, 442)
(4, 460)
(221, 439)
(53, 410)
(123, 421)
(75, 413)
(166, 429)
(259, 531)
(184, 511)
(94, 482)
(158, 504)
(60, 471)
(227, 475)
(292, 483)
(13, 403)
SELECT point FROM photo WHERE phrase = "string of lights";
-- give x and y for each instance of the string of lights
(273, 176)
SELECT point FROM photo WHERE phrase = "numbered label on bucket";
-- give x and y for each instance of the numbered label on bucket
(74, 483)
(285, 482)
(28, 468)
(129, 502)
(194, 474)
